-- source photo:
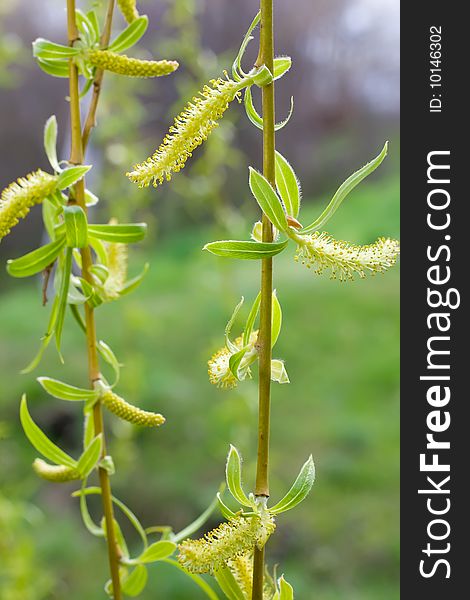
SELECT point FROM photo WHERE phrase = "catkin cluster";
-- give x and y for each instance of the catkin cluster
(236, 537)
(132, 67)
(323, 253)
(128, 9)
(18, 198)
(190, 129)
(56, 473)
(128, 412)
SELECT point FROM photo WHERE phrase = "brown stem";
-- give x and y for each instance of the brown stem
(266, 54)
(76, 157)
(90, 120)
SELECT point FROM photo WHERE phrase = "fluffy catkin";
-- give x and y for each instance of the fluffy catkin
(128, 9)
(219, 364)
(132, 67)
(322, 253)
(18, 198)
(190, 129)
(117, 270)
(56, 473)
(236, 537)
(122, 409)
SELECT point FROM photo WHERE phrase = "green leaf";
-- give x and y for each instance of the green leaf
(281, 65)
(237, 70)
(90, 457)
(251, 319)
(64, 391)
(71, 175)
(35, 261)
(66, 271)
(50, 214)
(256, 119)
(90, 198)
(285, 592)
(50, 142)
(46, 338)
(130, 35)
(224, 509)
(108, 356)
(267, 199)
(56, 68)
(93, 20)
(45, 49)
(278, 371)
(121, 233)
(233, 472)
(157, 551)
(134, 583)
(245, 250)
(276, 319)
(196, 524)
(228, 327)
(76, 226)
(134, 283)
(344, 189)
(86, 28)
(92, 527)
(235, 360)
(40, 440)
(287, 185)
(299, 490)
(228, 584)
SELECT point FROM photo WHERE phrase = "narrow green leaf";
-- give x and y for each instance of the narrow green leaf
(224, 509)
(233, 472)
(108, 355)
(134, 583)
(245, 250)
(71, 175)
(64, 391)
(40, 440)
(285, 591)
(92, 527)
(91, 199)
(287, 185)
(267, 199)
(156, 551)
(100, 251)
(344, 189)
(93, 20)
(281, 65)
(276, 319)
(46, 338)
(76, 226)
(235, 360)
(90, 457)
(250, 322)
(134, 283)
(121, 233)
(46, 49)
(228, 584)
(50, 142)
(196, 524)
(228, 327)
(256, 119)
(130, 35)
(66, 271)
(56, 68)
(35, 261)
(50, 217)
(299, 490)
(237, 70)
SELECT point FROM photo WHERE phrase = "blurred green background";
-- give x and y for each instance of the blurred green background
(339, 341)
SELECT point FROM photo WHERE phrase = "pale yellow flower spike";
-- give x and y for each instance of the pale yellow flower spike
(128, 9)
(18, 198)
(117, 268)
(235, 538)
(130, 413)
(190, 129)
(132, 67)
(322, 253)
(241, 568)
(219, 365)
(55, 473)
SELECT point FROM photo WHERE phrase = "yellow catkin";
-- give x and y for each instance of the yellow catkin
(18, 198)
(219, 364)
(342, 260)
(117, 270)
(122, 409)
(56, 473)
(128, 9)
(190, 129)
(132, 67)
(236, 537)
(241, 568)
